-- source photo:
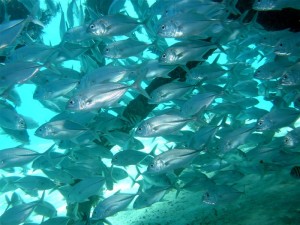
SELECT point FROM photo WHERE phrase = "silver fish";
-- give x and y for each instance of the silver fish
(17, 73)
(149, 197)
(100, 95)
(129, 157)
(46, 209)
(202, 137)
(112, 25)
(152, 68)
(84, 189)
(34, 183)
(185, 51)
(197, 103)
(277, 118)
(112, 205)
(172, 159)
(169, 92)
(292, 138)
(125, 48)
(162, 125)
(266, 5)
(105, 74)
(54, 89)
(291, 76)
(190, 25)
(221, 195)
(16, 157)
(19, 213)
(10, 119)
(196, 181)
(60, 129)
(288, 45)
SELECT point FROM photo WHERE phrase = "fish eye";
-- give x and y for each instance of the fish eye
(285, 76)
(107, 50)
(139, 128)
(164, 55)
(260, 123)
(280, 44)
(286, 140)
(152, 165)
(92, 26)
(71, 102)
(163, 27)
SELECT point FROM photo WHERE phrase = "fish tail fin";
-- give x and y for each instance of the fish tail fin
(231, 6)
(178, 189)
(137, 85)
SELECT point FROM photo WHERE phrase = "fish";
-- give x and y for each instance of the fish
(17, 73)
(202, 137)
(206, 8)
(152, 69)
(227, 177)
(213, 85)
(130, 157)
(198, 103)
(81, 191)
(190, 26)
(196, 181)
(111, 205)
(266, 5)
(295, 172)
(149, 197)
(16, 157)
(106, 74)
(102, 95)
(59, 220)
(112, 25)
(19, 213)
(10, 31)
(206, 71)
(60, 129)
(10, 119)
(46, 209)
(221, 194)
(125, 48)
(170, 91)
(269, 70)
(277, 118)
(182, 52)
(291, 139)
(163, 124)
(234, 138)
(290, 76)
(54, 89)
(288, 45)
(172, 159)
(35, 183)
(126, 141)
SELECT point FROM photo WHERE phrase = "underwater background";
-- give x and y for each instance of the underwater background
(131, 112)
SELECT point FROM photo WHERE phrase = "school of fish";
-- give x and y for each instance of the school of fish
(196, 74)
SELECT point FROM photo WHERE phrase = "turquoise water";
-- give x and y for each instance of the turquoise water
(266, 194)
